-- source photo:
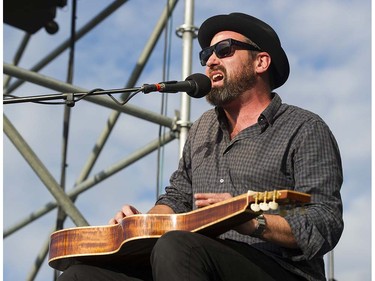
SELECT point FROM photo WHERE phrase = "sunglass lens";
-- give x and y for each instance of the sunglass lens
(205, 55)
(223, 49)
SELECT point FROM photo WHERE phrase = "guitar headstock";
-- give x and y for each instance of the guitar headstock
(270, 200)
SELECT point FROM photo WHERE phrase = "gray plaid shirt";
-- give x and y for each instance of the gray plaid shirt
(289, 148)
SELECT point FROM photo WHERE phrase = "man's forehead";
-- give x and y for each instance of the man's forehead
(226, 34)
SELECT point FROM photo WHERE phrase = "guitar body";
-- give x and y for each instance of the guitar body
(134, 238)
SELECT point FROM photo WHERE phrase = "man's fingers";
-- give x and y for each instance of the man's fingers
(125, 211)
(206, 199)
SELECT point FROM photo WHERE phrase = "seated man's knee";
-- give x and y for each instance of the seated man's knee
(170, 245)
(170, 240)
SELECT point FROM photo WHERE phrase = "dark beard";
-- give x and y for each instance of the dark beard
(232, 89)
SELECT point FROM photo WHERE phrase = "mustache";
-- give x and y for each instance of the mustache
(217, 68)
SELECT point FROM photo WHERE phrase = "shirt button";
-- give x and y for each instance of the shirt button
(221, 180)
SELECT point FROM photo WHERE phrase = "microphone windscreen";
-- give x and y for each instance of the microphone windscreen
(203, 85)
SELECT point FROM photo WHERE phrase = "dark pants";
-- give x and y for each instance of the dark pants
(181, 256)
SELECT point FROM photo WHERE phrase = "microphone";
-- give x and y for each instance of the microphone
(195, 85)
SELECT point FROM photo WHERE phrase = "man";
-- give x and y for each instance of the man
(249, 141)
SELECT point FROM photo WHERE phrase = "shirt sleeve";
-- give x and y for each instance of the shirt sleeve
(317, 226)
(178, 195)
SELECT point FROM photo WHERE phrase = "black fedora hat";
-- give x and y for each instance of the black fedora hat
(257, 31)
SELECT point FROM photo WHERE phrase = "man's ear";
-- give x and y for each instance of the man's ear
(262, 62)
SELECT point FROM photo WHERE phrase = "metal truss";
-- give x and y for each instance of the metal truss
(177, 126)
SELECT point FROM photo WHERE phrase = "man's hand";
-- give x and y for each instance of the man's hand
(206, 199)
(126, 211)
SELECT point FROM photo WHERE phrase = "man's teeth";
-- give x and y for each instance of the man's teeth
(217, 77)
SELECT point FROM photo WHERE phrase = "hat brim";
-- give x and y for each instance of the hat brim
(257, 31)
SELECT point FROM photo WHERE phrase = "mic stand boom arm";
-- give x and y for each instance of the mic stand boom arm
(69, 97)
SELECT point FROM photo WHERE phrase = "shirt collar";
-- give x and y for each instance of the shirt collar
(269, 114)
(267, 117)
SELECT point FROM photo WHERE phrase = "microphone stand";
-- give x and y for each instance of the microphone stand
(70, 98)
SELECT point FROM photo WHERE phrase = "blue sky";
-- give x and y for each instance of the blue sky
(329, 48)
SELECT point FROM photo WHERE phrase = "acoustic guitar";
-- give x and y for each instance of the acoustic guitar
(135, 236)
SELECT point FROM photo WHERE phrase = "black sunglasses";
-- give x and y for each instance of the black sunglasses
(224, 49)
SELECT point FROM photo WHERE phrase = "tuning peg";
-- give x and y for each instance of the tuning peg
(273, 205)
(264, 206)
(255, 207)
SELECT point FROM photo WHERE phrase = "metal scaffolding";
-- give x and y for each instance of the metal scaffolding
(177, 126)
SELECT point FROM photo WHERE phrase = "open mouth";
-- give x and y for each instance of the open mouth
(217, 77)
